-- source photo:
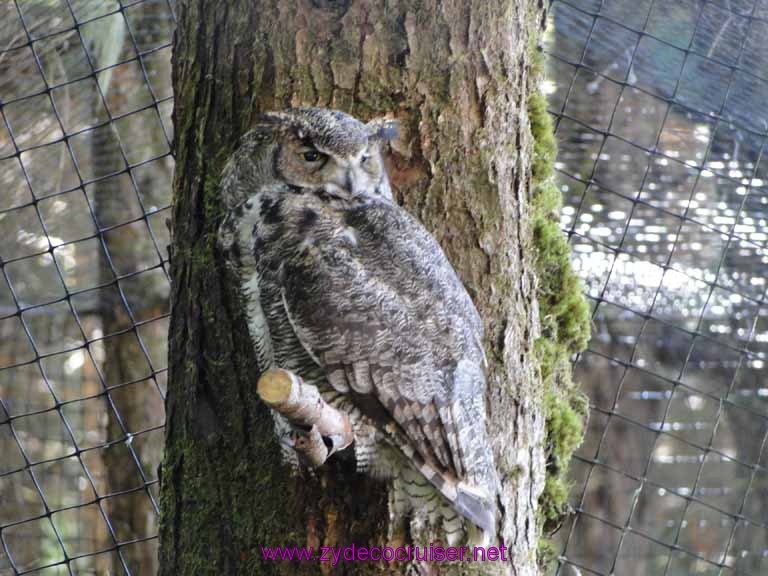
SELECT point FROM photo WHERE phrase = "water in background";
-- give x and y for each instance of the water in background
(662, 121)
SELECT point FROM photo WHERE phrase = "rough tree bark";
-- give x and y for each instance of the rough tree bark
(456, 74)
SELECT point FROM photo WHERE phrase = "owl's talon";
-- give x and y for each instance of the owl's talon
(287, 441)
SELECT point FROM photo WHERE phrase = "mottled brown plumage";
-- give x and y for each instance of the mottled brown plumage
(351, 293)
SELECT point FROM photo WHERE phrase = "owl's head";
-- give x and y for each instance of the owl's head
(317, 148)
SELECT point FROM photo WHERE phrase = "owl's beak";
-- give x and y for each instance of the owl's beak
(354, 183)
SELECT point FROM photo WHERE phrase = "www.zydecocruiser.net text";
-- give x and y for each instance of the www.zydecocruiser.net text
(354, 553)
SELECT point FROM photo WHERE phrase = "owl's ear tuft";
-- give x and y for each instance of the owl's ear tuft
(268, 119)
(383, 129)
(262, 127)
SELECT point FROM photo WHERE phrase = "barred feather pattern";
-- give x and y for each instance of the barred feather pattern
(352, 294)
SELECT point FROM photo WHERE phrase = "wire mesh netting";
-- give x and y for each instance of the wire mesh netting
(661, 117)
(662, 123)
(85, 170)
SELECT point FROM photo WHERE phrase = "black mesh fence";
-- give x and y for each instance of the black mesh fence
(85, 174)
(661, 117)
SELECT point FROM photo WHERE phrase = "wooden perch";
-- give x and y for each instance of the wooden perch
(317, 423)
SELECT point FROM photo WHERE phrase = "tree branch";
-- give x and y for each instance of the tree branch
(320, 429)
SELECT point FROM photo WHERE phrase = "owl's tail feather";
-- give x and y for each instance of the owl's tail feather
(472, 502)
(478, 509)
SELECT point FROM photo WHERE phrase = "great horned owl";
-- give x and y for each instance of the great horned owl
(348, 291)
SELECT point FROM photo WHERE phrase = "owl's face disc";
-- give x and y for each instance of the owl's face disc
(329, 150)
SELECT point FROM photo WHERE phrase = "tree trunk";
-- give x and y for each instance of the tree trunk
(456, 74)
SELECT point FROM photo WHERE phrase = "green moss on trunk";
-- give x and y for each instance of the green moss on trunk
(565, 321)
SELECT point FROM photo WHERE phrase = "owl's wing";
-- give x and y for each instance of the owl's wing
(379, 307)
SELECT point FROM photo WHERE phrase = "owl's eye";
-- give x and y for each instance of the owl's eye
(365, 158)
(311, 156)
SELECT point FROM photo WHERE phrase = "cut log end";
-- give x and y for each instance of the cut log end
(275, 386)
